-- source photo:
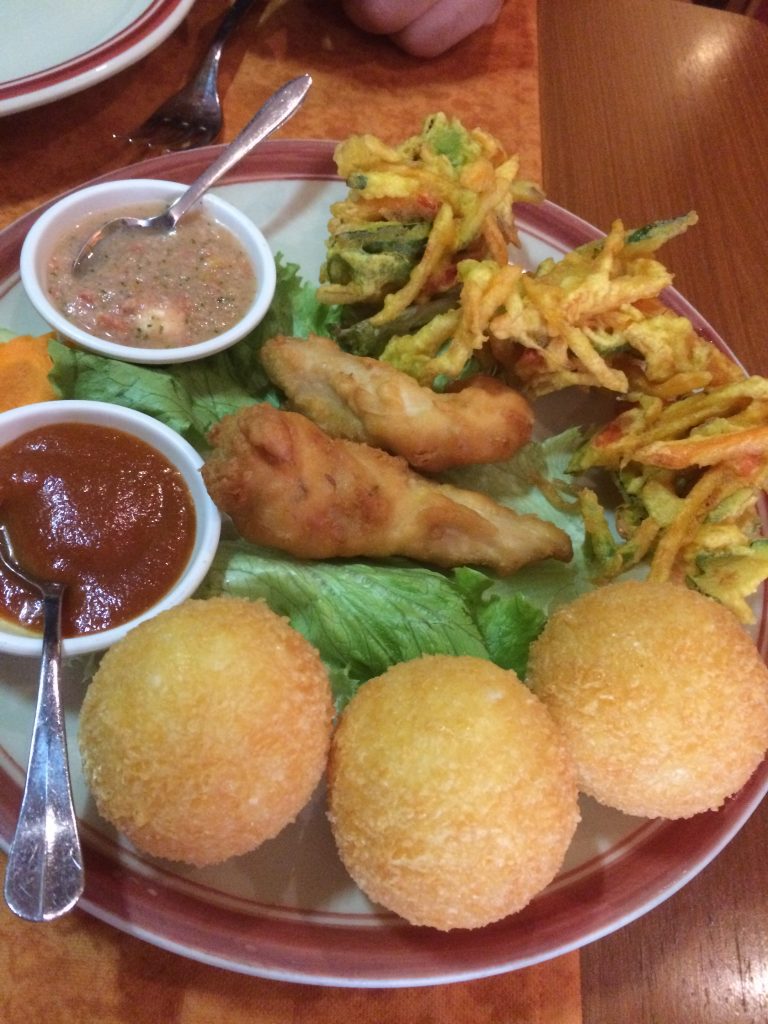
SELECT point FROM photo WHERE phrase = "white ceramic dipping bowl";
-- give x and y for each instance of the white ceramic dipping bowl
(16, 422)
(111, 198)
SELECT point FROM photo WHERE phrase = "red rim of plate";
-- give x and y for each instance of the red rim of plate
(377, 949)
(143, 34)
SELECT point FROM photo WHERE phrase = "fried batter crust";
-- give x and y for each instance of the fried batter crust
(660, 694)
(286, 484)
(368, 400)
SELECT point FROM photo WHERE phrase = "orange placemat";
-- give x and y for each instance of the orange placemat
(80, 971)
(361, 83)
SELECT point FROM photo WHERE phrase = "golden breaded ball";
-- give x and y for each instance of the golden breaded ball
(206, 729)
(451, 797)
(660, 695)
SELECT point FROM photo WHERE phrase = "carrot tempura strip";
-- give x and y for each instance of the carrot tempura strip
(703, 496)
(704, 451)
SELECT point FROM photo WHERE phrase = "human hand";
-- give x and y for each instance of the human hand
(423, 28)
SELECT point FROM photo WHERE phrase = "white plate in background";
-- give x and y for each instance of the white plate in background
(52, 48)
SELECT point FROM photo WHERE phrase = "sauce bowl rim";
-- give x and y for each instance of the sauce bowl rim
(62, 214)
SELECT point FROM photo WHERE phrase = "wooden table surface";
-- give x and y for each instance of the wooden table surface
(673, 115)
(630, 108)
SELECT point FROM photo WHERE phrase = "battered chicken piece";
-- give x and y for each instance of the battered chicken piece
(286, 484)
(367, 400)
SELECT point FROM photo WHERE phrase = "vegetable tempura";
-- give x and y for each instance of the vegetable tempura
(413, 211)
(288, 485)
(364, 399)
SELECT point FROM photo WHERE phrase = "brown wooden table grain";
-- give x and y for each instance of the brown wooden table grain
(629, 108)
(649, 109)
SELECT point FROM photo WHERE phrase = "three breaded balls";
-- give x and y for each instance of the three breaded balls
(659, 693)
(206, 729)
(451, 797)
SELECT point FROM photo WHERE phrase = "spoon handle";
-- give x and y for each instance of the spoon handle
(44, 877)
(282, 105)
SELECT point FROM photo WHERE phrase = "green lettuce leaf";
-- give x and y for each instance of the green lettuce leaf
(83, 375)
(362, 617)
(508, 622)
(514, 483)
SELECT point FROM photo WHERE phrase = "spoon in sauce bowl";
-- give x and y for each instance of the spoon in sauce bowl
(282, 105)
(44, 877)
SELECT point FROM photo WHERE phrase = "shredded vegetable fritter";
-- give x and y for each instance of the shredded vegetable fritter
(593, 318)
(690, 472)
(689, 454)
(413, 210)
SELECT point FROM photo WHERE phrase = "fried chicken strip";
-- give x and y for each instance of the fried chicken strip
(364, 399)
(286, 484)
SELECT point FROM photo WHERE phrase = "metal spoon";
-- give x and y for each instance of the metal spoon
(44, 877)
(274, 113)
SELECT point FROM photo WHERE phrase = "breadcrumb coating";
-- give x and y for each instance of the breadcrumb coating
(660, 694)
(206, 729)
(451, 796)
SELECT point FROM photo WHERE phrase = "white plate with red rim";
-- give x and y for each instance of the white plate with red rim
(289, 911)
(50, 49)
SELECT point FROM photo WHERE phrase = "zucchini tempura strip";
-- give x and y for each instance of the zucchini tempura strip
(458, 183)
(287, 485)
(440, 245)
(708, 450)
(367, 400)
(708, 491)
(672, 360)
(592, 319)
(443, 346)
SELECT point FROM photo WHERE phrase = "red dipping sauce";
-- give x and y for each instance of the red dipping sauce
(99, 510)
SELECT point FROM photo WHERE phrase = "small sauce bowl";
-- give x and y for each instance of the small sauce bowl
(106, 200)
(16, 423)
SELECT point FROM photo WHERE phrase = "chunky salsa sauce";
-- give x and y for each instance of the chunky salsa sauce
(152, 289)
(99, 510)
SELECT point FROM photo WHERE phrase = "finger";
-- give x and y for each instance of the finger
(445, 24)
(383, 17)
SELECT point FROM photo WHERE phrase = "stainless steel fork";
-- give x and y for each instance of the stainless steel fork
(192, 117)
